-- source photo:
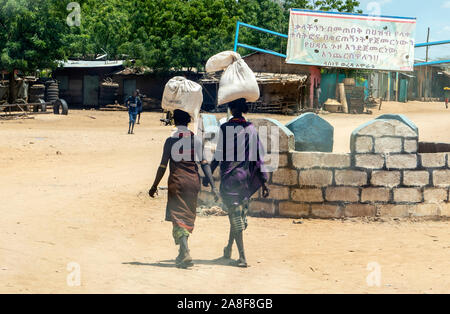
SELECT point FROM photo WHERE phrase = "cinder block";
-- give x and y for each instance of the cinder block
(416, 178)
(285, 176)
(369, 161)
(426, 210)
(441, 178)
(445, 209)
(283, 160)
(294, 210)
(350, 177)
(307, 160)
(265, 208)
(435, 195)
(404, 161)
(400, 211)
(307, 195)
(317, 178)
(360, 210)
(386, 178)
(388, 145)
(337, 160)
(310, 160)
(342, 194)
(326, 211)
(279, 192)
(436, 160)
(408, 195)
(364, 144)
(411, 146)
(373, 195)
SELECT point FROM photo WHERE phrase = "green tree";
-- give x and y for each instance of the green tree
(324, 5)
(105, 26)
(176, 34)
(31, 37)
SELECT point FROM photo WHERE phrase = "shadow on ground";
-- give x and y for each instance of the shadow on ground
(171, 263)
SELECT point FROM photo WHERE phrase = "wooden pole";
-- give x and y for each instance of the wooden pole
(343, 98)
(337, 84)
(397, 87)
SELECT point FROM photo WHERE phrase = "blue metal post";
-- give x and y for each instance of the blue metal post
(431, 63)
(264, 30)
(262, 50)
(236, 37)
(433, 43)
(237, 44)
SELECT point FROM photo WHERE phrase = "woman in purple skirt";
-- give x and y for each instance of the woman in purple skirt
(239, 153)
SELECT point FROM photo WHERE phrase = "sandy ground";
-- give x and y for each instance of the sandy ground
(74, 190)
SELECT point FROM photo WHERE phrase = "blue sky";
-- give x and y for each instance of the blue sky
(429, 13)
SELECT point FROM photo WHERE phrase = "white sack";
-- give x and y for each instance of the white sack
(238, 81)
(183, 94)
(221, 61)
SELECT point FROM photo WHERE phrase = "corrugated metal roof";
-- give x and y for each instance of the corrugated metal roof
(91, 64)
(264, 78)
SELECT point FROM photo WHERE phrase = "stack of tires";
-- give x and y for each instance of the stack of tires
(36, 92)
(52, 91)
(108, 93)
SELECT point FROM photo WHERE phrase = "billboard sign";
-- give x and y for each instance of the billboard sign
(347, 40)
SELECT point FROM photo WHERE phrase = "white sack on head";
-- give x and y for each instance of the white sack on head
(221, 61)
(183, 94)
(238, 81)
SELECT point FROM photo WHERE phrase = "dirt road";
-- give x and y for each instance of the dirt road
(74, 190)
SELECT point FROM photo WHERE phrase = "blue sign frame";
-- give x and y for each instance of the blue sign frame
(237, 44)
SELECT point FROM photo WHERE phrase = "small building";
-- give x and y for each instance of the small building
(79, 81)
(425, 83)
(150, 84)
(283, 86)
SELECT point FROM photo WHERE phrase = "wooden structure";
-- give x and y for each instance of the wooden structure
(150, 84)
(284, 87)
(79, 81)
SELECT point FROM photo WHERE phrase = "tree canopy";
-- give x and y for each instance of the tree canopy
(32, 35)
(160, 34)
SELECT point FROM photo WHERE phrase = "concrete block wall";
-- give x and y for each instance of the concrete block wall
(383, 175)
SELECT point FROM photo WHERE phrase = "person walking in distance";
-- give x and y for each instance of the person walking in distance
(133, 103)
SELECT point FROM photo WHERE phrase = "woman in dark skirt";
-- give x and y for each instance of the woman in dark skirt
(239, 153)
(183, 150)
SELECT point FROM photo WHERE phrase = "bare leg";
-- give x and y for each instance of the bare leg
(228, 249)
(242, 262)
(184, 260)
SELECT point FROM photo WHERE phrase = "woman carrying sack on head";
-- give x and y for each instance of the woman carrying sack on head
(183, 150)
(240, 177)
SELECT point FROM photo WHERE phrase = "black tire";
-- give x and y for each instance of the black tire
(60, 105)
(42, 107)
